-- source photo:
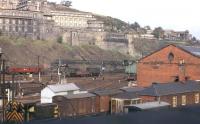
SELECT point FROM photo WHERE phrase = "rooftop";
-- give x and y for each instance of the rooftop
(81, 95)
(126, 95)
(192, 49)
(162, 89)
(150, 105)
(63, 87)
(107, 92)
(132, 89)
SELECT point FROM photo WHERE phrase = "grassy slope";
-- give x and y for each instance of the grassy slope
(19, 51)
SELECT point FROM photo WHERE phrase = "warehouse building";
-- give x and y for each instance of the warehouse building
(168, 64)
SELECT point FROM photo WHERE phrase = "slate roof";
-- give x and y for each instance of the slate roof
(63, 87)
(81, 95)
(126, 95)
(163, 89)
(107, 92)
(132, 89)
(192, 49)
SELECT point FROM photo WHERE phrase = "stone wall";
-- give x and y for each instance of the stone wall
(106, 40)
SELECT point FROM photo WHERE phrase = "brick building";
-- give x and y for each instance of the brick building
(170, 63)
(175, 93)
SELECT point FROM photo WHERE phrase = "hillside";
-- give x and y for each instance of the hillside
(114, 23)
(21, 52)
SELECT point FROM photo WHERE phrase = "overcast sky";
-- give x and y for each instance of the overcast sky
(169, 14)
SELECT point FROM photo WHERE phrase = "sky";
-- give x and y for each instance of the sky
(170, 14)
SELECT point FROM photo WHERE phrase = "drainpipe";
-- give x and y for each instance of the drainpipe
(159, 100)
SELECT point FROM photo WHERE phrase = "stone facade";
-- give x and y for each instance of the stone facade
(62, 15)
(177, 35)
(31, 5)
(8, 4)
(24, 23)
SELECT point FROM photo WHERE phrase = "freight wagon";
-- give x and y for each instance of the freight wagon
(77, 104)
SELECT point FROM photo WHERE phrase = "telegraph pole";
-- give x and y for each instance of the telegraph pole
(2, 82)
(59, 73)
(39, 69)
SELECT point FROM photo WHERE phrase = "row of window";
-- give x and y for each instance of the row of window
(184, 100)
(17, 21)
(17, 29)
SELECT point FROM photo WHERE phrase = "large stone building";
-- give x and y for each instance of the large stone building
(61, 14)
(8, 4)
(27, 24)
(32, 5)
(177, 35)
(171, 63)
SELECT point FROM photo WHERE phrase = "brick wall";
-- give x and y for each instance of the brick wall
(157, 68)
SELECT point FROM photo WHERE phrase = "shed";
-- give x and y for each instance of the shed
(120, 100)
(105, 99)
(58, 89)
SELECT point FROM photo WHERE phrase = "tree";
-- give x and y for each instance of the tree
(194, 39)
(147, 27)
(135, 26)
(158, 32)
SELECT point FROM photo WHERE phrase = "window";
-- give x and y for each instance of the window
(174, 101)
(183, 100)
(196, 98)
(171, 57)
(127, 102)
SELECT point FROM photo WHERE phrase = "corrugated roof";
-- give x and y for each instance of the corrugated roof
(162, 89)
(81, 95)
(63, 87)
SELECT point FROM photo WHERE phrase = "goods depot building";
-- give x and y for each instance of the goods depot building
(168, 64)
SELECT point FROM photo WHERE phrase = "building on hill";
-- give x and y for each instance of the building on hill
(32, 5)
(175, 93)
(177, 35)
(25, 23)
(95, 25)
(8, 4)
(61, 14)
(170, 63)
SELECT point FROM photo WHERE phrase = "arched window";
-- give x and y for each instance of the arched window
(170, 57)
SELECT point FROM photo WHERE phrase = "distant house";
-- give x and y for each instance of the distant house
(58, 89)
(175, 93)
(168, 64)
